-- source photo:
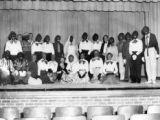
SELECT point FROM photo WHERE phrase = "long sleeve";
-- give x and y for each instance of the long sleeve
(19, 46)
(52, 49)
(32, 48)
(7, 46)
(91, 67)
(156, 44)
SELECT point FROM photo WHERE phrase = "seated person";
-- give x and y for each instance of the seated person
(110, 69)
(82, 70)
(96, 67)
(43, 69)
(21, 67)
(52, 70)
(71, 70)
(61, 68)
(6, 69)
(33, 72)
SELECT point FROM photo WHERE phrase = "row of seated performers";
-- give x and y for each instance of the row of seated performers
(87, 62)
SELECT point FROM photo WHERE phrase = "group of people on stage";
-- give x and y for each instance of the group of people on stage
(35, 62)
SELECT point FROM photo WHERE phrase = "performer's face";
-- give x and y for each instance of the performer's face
(30, 36)
(105, 39)
(71, 58)
(71, 39)
(19, 37)
(34, 58)
(96, 54)
(109, 57)
(82, 56)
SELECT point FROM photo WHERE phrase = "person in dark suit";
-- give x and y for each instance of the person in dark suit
(127, 56)
(151, 53)
(58, 48)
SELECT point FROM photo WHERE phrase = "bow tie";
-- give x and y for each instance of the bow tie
(96, 59)
(135, 41)
(109, 62)
(82, 61)
(84, 40)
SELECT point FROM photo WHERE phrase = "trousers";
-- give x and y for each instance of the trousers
(121, 66)
(151, 63)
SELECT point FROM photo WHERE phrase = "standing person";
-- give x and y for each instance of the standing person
(112, 48)
(135, 50)
(27, 40)
(13, 45)
(85, 46)
(104, 46)
(96, 44)
(70, 48)
(110, 69)
(121, 38)
(96, 67)
(47, 48)
(36, 47)
(151, 53)
(127, 56)
(58, 48)
(6, 69)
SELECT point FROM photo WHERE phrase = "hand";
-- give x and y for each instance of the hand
(134, 57)
(157, 56)
(143, 59)
(124, 61)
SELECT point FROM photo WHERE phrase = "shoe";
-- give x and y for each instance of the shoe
(154, 82)
(148, 82)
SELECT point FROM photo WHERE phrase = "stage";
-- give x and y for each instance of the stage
(108, 85)
(84, 95)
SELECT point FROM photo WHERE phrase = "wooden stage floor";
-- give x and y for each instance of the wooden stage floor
(109, 85)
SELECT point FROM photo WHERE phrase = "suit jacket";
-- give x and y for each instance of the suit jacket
(152, 42)
(58, 55)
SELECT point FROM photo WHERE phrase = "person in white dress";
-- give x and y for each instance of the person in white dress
(71, 71)
(70, 48)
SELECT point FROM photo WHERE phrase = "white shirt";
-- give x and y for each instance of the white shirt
(85, 46)
(110, 67)
(36, 47)
(42, 65)
(14, 47)
(71, 50)
(53, 65)
(48, 48)
(83, 66)
(6, 65)
(71, 67)
(135, 46)
(96, 63)
(96, 45)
